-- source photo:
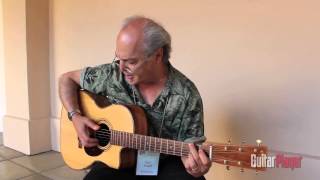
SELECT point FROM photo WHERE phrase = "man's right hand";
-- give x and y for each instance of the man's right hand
(83, 126)
(68, 92)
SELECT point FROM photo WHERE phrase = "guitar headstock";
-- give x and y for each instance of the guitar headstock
(235, 155)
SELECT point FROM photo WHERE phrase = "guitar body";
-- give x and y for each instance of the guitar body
(123, 129)
(126, 118)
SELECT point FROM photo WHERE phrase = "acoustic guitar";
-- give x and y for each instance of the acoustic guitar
(123, 131)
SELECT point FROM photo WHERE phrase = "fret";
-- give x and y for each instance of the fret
(160, 146)
(126, 140)
(130, 143)
(136, 142)
(174, 146)
(120, 138)
(145, 142)
(129, 140)
(123, 138)
(119, 134)
(181, 148)
(136, 136)
(140, 142)
(155, 145)
(167, 146)
(117, 138)
(159, 142)
(149, 143)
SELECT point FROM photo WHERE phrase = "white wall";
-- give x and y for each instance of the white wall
(256, 64)
(2, 95)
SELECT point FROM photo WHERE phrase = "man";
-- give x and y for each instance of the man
(141, 74)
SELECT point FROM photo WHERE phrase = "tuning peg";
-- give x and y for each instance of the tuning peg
(257, 172)
(228, 168)
(225, 161)
(241, 170)
(259, 142)
(229, 141)
(240, 148)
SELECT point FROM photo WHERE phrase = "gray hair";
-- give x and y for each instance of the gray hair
(154, 37)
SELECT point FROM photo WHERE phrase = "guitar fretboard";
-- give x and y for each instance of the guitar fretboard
(148, 143)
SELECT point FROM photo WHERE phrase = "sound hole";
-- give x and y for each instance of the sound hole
(103, 136)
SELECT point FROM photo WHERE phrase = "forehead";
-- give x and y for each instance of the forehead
(128, 43)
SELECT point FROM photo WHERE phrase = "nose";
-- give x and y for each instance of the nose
(121, 65)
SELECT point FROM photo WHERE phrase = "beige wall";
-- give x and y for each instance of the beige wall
(2, 96)
(255, 64)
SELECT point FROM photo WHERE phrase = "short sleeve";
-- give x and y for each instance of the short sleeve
(192, 129)
(94, 79)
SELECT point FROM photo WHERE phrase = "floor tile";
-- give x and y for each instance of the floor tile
(9, 170)
(41, 162)
(9, 153)
(35, 177)
(1, 158)
(64, 173)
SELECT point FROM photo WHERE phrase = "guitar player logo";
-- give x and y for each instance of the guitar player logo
(278, 161)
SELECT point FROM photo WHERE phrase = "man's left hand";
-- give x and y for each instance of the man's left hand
(196, 163)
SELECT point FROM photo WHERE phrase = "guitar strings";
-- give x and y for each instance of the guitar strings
(120, 136)
(106, 133)
(185, 152)
(124, 136)
(134, 142)
(214, 159)
(171, 149)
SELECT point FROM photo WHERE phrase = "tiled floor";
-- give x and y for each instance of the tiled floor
(44, 166)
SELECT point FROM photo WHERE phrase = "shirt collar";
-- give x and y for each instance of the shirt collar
(164, 93)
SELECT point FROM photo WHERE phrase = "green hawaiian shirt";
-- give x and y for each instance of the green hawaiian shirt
(176, 114)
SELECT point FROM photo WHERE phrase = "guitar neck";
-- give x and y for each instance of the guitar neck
(148, 143)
